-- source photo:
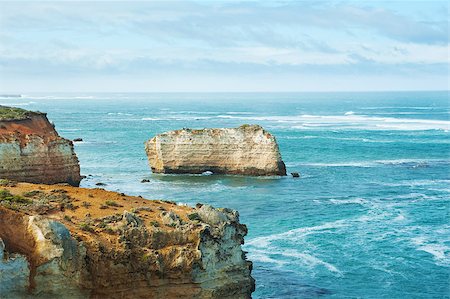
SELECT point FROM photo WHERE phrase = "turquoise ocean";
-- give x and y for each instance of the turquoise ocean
(369, 217)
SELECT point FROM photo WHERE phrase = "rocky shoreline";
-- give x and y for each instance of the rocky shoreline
(32, 151)
(61, 241)
(77, 243)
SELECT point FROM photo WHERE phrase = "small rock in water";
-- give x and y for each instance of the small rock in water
(145, 181)
(78, 139)
(207, 173)
(100, 184)
(295, 174)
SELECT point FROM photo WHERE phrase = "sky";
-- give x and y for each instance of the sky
(223, 46)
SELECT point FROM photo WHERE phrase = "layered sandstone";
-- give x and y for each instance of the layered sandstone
(246, 150)
(32, 151)
(67, 242)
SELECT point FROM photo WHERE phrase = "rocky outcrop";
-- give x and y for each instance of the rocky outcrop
(246, 150)
(90, 243)
(32, 151)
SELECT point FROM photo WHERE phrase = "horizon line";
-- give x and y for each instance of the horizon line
(13, 93)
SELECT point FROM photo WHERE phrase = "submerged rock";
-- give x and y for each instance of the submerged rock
(32, 151)
(246, 150)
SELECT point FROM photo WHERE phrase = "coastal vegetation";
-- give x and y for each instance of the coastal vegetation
(12, 113)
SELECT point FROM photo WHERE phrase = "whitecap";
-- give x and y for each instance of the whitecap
(153, 118)
(69, 130)
(237, 112)
(17, 104)
(120, 113)
(263, 257)
(440, 252)
(399, 218)
(403, 107)
(313, 261)
(62, 97)
(178, 118)
(360, 201)
(193, 112)
(413, 183)
(262, 242)
(344, 164)
(351, 121)
(414, 163)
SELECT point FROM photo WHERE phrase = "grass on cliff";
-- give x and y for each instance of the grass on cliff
(5, 195)
(10, 113)
(11, 201)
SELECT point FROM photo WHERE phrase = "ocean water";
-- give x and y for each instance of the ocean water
(369, 217)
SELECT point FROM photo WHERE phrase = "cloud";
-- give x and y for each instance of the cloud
(223, 38)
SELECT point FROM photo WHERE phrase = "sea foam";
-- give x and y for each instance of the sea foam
(350, 121)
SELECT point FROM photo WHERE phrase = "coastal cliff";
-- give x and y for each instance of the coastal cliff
(67, 242)
(246, 150)
(32, 151)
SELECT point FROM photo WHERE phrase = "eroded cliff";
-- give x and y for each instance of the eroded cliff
(246, 150)
(32, 151)
(67, 242)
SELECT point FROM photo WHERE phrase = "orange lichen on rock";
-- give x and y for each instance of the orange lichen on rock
(32, 151)
(94, 243)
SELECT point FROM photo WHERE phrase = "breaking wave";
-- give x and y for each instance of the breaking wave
(350, 121)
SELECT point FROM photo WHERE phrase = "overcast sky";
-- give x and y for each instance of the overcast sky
(224, 46)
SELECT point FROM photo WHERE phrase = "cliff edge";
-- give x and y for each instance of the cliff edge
(32, 151)
(68, 242)
(246, 150)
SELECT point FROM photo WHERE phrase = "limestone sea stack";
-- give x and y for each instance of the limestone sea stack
(68, 242)
(32, 151)
(246, 150)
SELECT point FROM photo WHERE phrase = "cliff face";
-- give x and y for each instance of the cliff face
(246, 150)
(90, 243)
(32, 151)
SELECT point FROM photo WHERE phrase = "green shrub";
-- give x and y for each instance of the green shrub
(8, 113)
(85, 204)
(86, 227)
(5, 195)
(112, 203)
(7, 183)
(194, 216)
(102, 225)
(31, 193)
(154, 223)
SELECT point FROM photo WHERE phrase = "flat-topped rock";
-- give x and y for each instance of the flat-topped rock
(246, 150)
(32, 151)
